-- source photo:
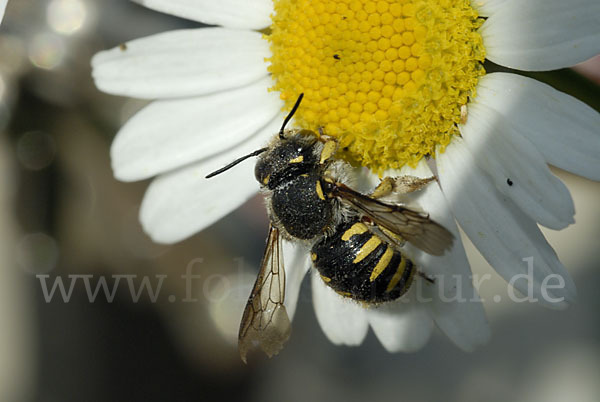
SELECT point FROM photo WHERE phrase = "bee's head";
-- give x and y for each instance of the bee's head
(286, 159)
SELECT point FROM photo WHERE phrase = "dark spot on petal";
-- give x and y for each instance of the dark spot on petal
(336, 56)
(509, 182)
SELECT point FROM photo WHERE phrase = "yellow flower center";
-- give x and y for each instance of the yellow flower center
(388, 78)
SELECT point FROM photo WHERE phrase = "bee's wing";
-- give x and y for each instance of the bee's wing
(265, 322)
(413, 226)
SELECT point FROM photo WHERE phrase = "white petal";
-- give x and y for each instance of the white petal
(401, 326)
(457, 310)
(538, 35)
(486, 8)
(172, 133)
(249, 14)
(498, 228)
(2, 8)
(182, 63)
(565, 130)
(296, 263)
(516, 168)
(343, 320)
(452, 300)
(183, 202)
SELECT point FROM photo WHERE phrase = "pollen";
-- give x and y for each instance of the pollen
(387, 78)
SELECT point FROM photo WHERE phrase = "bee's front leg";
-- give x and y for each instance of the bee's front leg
(328, 151)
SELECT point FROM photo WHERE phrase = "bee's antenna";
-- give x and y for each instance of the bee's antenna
(290, 115)
(235, 162)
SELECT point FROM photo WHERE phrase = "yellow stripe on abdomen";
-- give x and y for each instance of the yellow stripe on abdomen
(367, 248)
(397, 276)
(357, 228)
(382, 264)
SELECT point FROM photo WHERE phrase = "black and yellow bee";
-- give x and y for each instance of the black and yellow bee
(354, 238)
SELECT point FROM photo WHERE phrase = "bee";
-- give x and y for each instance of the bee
(354, 238)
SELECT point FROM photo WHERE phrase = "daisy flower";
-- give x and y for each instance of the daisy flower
(394, 81)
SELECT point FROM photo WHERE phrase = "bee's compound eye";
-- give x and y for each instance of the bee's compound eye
(262, 172)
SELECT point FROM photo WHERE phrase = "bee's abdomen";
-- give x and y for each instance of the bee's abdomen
(359, 264)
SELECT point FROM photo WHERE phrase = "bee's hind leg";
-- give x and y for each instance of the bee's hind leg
(400, 185)
(408, 184)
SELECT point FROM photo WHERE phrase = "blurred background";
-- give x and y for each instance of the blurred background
(62, 213)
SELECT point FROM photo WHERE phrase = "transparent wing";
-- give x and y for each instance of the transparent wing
(398, 221)
(265, 323)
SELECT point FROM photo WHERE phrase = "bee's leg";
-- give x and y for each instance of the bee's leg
(329, 146)
(328, 151)
(400, 185)
(427, 278)
(385, 187)
(408, 184)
